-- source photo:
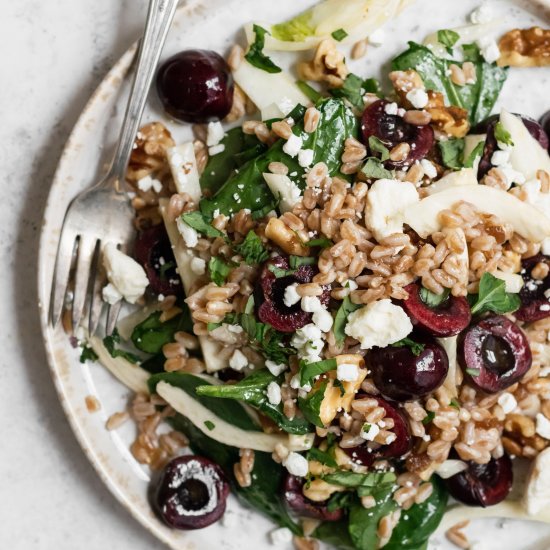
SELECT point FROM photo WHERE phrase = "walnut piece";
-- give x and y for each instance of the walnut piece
(328, 65)
(525, 48)
(405, 81)
(452, 121)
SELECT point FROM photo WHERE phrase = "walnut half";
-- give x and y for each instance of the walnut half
(525, 48)
(328, 65)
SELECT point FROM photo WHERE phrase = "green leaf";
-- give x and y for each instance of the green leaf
(431, 299)
(311, 405)
(354, 88)
(473, 372)
(321, 242)
(353, 480)
(447, 37)
(377, 146)
(151, 335)
(200, 224)
(429, 417)
(308, 371)
(341, 318)
(279, 273)
(310, 92)
(88, 354)
(219, 270)
(338, 384)
(416, 347)
(339, 34)
(502, 135)
(252, 249)
(209, 425)
(110, 342)
(454, 403)
(493, 296)
(247, 188)
(321, 456)
(375, 170)
(336, 532)
(296, 29)
(297, 261)
(255, 55)
(452, 152)
(476, 152)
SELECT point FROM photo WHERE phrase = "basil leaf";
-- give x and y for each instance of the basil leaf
(279, 273)
(252, 249)
(374, 169)
(199, 223)
(354, 88)
(297, 261)
(341, 318)
(110, 342)
(431, 299)
(310, 92)
(308, 371)
(338, 384)
(210, 425)
(339, 34)
(452, 152)
(447, 37)
(476, 152)
(321, 456)
(429, 417)
(377, 146)
(255, 55)
(502, 135)
(322, 242)
(88, 354)
(353, 480)
(416, 347)
(219, 270)
(311, 405)
(336, 532)
(493, 296)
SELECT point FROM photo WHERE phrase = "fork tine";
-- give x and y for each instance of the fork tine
(86, 248)
(96, 300)
(62, 269)
(112, 316)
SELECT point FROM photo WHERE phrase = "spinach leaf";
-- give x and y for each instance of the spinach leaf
(308, 371)
(339, 34)
(252, 390)
(154, 364)
(420, 521)
(247, 188)
(374, 169)
(311, 405)
(354, 88)
(322, 456)
(255, 55)
(493, 296)
(152, 334)
(252, 249)
(310, 92)
(341, 318)
(452, 152)
(431, 299)
(416, 347)
(110, 342)
(353, 480)
(238, 149)
(88, 354)
(447, 37)
(478, 98)
(335, 533)
(377, 146)
(200, 224)
(218, 270)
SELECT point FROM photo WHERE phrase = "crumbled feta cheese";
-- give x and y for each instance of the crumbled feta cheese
(308, 332)
(418, 98)
(281, 536)
(283, 187)
(348, 287)
(429, 169)
(291, 297)
(110, 294)
(295, 384)
(489, 49)
(198, 266)
(387, 201)
(311, 304)
(275, 368)
(508, 402)
(296, 465)
(238, 360)
(293, 145)
(451, 467)
(124, 273)
(379, 324)
(305, 157)
(323, 320)
(347, 372)
(189, 235)
(377, 37)
(543, 426)
(274, 393)
(500, 158)
(146, 183)
(215, 149)
(371, 431)
(286, 105)
(214, 133)
(391, 108)
(482, 14)
(157, 186)
(534, 196)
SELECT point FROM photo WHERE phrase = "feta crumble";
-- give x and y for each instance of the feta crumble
(214, 133)
(291, 297)
(323, 320)
(371, 432)
(274, 393)
(508, 402)
(489, 49)
(198, 266)
(293, 145)
(377, 38)
(275, 368)
(418, 98)
(189, 235)
(346, 372)
(238, 360)
(391, 108)
(281, 536)
(215, 149)
(110, 294)
(146, 183)
(482, 14)
(429, 169)
(305, 157)
(296, 464)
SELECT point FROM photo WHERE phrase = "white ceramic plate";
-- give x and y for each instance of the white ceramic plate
(215, 24)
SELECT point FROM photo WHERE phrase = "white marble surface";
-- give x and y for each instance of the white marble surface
(53, 55)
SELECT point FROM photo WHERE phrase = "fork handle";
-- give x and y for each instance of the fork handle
(159, 18)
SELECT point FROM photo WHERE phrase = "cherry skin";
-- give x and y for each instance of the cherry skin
(534, 304)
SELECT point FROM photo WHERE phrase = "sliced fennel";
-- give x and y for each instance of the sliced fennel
(214, 361)
(466, 176)
(183, 166)
(285, 189)
(529, 222)
(223, 432)
(513, 281)
(449, 345)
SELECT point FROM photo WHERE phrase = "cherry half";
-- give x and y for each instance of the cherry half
(392, 130)
(447, 319)
(494, 353)
(483, 484)
(192, 493)
(195, 86)
(534, 304)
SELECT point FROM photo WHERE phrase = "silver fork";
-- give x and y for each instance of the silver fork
(103, 213)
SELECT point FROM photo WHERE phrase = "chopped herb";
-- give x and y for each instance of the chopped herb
(502, 135)
(416, 347)
(341, 500)
(341, 318)
(339, 34)
(256, 56)
(321, 456)
(429, 417)
(322, 242)
(311, 405)
(200, 224)
(309, 91)
(111, 341)
(366, 427)
(452, 152)
(338, 384)
(377, 146)
(219, 270)
(476, 152)
(354, 88)
(493, 296)
(354, 480)
(252, 249)
(447, 37)
(297, 261)
(454, 403)
(308, 371)
(473, 372)
(210, 425)
(263, 212)
(278, 272)
(374, 169)
(431, 299)
(213, 326)
(88, 354)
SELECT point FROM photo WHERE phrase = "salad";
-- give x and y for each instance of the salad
(341, 285)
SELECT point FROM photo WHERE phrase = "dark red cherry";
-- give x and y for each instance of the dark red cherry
(154, 252)
(192, 493)
(195, 86)
(494, 353)
(392, 129)
(304, 507)
(271, 292)
(483, 484)
(447, 319)
(403, 374)
(534, 304)
(545, 124)
(367, 453)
